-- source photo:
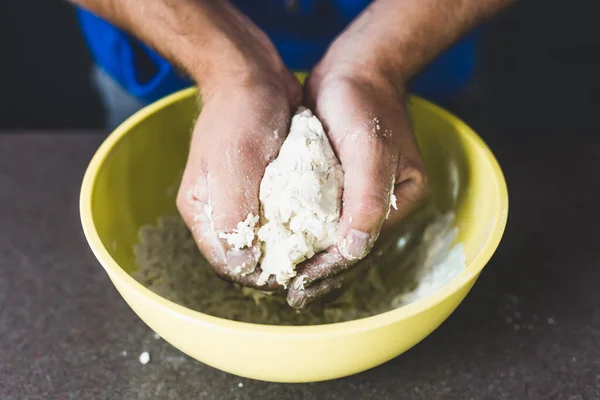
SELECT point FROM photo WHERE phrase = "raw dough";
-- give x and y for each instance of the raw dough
(243, 235)
(300, 197)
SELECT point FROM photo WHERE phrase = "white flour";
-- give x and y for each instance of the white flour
(243, 235)
(412, 263)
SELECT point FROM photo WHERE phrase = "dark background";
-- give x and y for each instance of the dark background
(44, 68)
(538, 60)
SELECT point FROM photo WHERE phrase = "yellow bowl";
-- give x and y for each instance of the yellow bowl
(133, 179)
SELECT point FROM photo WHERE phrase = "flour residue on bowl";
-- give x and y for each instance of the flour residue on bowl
(415, 261)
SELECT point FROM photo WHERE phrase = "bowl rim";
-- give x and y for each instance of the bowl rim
(115, 272)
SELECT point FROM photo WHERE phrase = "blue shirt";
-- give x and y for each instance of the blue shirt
(119, 54)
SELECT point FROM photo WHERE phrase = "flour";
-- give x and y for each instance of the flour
(394, 202)
(145, 358)
(443, 260)
(300, 282)
(412, 262)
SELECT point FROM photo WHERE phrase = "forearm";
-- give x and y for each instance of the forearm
(207, 39)
(400, 37)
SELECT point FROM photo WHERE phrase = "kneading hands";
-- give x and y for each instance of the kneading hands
(358, 91)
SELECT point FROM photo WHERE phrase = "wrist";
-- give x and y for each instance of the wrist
(232, 52)
(360, 55)
(373, 72)
(210, 41)
(233, 69)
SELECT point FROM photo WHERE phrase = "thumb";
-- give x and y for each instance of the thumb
(368, 188)
(378, 194)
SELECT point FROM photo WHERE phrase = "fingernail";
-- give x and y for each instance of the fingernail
(241, 261)
(355, 245)
(296, 299)
(300, 299)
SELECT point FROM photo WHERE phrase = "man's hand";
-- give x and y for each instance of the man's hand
(370, 131)
(248, 98)
(239, 132)
(245, 118)
(358, 92)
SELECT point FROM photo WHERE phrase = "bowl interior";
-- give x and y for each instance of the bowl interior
(138, 176)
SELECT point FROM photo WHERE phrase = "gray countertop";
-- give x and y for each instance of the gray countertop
(530, 328)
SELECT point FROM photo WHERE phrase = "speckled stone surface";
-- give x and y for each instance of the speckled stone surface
(530, 329)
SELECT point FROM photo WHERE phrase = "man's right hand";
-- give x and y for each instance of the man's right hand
(246, 111)
(238, 133)
(248, 97)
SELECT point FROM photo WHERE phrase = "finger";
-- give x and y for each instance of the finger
(226, 163)
(193, 206)
(252, 279)
(310, 281)
(299, 299)
(233, 183)
(386, 179)
(369, 166)
(234, 180)
(321, 266)
(409, 194)
(196, 210)
(323, 275)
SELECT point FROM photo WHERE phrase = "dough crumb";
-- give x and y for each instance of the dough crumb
(394, 202)
(145, 358)
(300, 282)
(243, 235)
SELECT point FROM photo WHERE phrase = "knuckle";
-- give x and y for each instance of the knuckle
(374, 205)
(424, 187)
(414, 182)
(420, 183)
(182, 200)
